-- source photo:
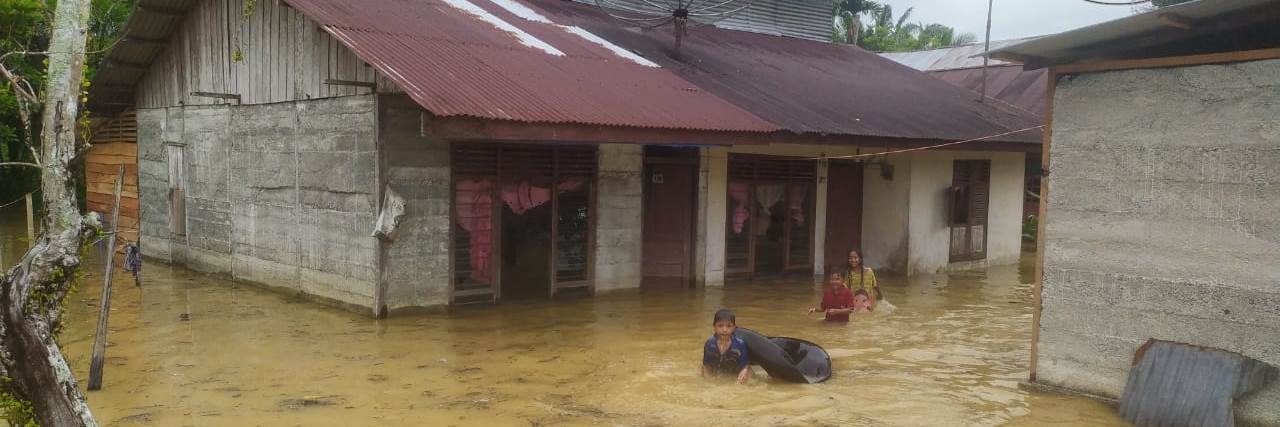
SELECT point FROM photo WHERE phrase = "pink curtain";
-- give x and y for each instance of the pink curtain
(524, 196)
(796, 199)
(738, 191)
(474, 201)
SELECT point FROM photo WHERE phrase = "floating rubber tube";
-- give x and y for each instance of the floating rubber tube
(788, 359)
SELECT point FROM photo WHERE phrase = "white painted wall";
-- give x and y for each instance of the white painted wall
(714, 178)
(929, 236)
(712, 213)
(903, 222)
(885, 204)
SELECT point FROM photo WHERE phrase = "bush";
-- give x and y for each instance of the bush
(17, 412)
(1030, 226)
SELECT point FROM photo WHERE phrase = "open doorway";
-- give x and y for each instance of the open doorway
(526, 242)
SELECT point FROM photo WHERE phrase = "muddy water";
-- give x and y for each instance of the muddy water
(189, 349)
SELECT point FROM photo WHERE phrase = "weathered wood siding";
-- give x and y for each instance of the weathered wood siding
(114, 143)
(283, 57)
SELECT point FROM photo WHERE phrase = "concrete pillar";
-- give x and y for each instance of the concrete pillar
(820, 221)
(712, 213)
(619, 218)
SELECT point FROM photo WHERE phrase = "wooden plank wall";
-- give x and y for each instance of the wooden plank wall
(114, 143)
(285, 57)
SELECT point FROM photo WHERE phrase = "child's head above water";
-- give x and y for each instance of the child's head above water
(836, 281)
(724, 322)
(861, 299)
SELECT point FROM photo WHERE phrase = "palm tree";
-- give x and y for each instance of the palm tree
(934, 36)
(847, 18)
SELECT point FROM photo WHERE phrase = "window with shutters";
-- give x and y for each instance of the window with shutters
(967, 206)
(490, 177)
(177, 190)
(769, 223)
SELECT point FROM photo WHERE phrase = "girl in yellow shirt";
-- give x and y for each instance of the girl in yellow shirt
(858, 276)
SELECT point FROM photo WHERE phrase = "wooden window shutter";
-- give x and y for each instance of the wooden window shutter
(177, 190)
(475, 160)
(981, 185)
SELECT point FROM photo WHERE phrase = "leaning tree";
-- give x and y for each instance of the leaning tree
(32, 293)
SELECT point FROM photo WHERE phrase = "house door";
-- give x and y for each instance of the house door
(844, 211)
(668, 225)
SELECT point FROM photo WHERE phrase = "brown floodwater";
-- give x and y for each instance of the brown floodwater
(191, 349)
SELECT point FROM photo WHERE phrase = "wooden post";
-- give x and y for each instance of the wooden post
(104, 309)
(31, 222)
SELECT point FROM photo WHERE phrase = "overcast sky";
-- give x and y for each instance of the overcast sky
(1011, 18)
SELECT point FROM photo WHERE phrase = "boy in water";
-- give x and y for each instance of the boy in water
(837, 301)
(725, 353)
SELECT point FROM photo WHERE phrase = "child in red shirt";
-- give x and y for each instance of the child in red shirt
(837, 301)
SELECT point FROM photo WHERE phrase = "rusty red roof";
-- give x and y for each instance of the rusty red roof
(809, 87)
(499, 59)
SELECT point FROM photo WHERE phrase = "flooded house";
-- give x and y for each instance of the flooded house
(1161, 216)
(1002, 81)
(528, 148)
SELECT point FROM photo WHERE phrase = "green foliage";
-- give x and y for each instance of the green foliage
(1030, 227)
(14, 410)
(847, 19)
(889, 34)
(24, 27)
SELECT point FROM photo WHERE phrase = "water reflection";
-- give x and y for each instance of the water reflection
(190, 349)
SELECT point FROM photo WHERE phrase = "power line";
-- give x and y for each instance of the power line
(1118, 3)
(885, 153)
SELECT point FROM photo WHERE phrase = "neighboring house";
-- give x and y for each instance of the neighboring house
(1005, 81)
(540, 147)
(1162, 217)
(962, 66)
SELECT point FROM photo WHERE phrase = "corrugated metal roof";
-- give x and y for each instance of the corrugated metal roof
(124, 65)
(1142, 29)
(806, 19)
(496, 59)
(1026, 90)
(950, 58)
(811, 87)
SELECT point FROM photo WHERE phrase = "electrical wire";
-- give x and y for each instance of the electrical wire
(1118, 3)
(885, 153)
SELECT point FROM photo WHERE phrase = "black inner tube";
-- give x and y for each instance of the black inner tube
(789, 359)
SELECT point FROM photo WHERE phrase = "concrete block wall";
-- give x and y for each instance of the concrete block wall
(1163, 221)
(619, 199)
(280, 194)
(417, 265)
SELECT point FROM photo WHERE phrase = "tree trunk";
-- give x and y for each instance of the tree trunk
(32, 293)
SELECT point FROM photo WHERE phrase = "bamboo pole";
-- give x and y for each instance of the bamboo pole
(31, 222)
(104, 309)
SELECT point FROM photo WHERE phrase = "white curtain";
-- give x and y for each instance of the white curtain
(767, 195)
